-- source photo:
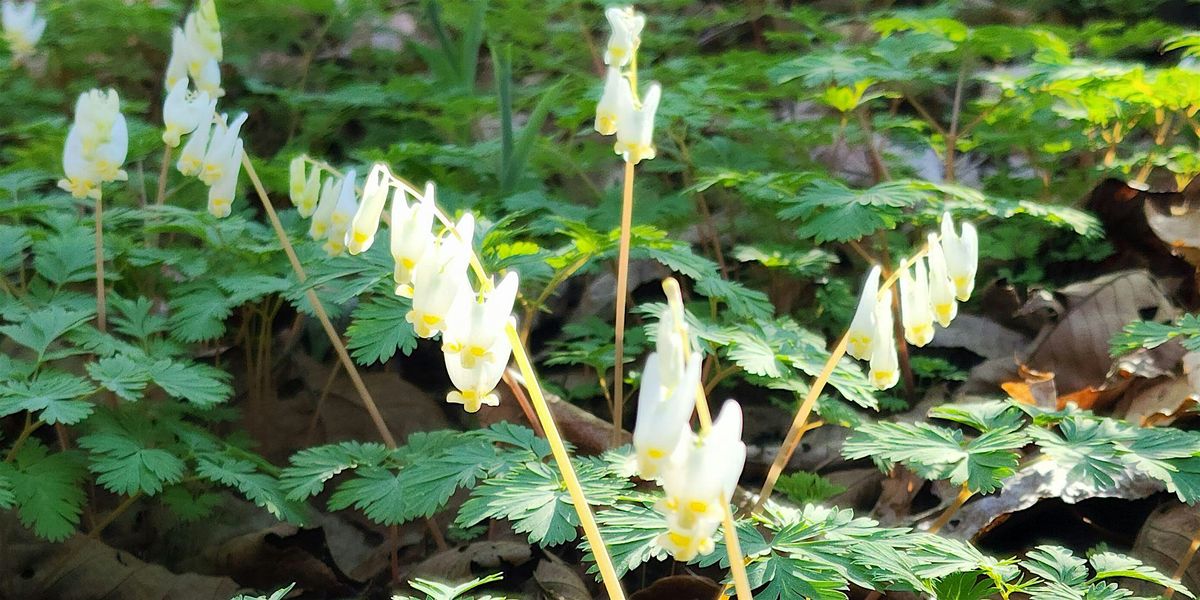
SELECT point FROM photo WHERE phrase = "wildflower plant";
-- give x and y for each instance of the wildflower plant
(131, 393)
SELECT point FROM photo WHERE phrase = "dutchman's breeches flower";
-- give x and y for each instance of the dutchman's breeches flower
(475, 386)
(436, 289)
(220, 195)
(304, 192)
(962, 256)
(22, 27)
(699, 483)
(635, 128)
(411, 235)
(331, 190)
(184, 111)
(615, 100)
(941, 289)
(663, 412)
(220, 148)
(916, 312)
(191, 159)
(339, 219)
(884, 362)
(96, 145)
(623, 42)
(365, 222)
(861, 335)
(473, 332)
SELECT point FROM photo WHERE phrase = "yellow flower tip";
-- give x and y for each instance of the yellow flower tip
(220, 207)
(606, 123)
(171, 136)
(698, 506)
(333, 247)
(944, 312)
(408, 263)
(404, 290)
(884, 379)
(919, 335)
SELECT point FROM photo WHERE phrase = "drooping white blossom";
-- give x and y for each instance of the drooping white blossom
(221, 145)
(474, 332)
(365, 222)
(962, 256)
(941, 288)
(411, 235)
(339, 218)
(615, 100)
(440, 280)
(220, 194)
(184, 111)
(860, 338)
(663, 411)
(475, 385)
(884, 362)
(635, 128)
(331, 191)
(22, 27)
(916, 312)
(626, 25)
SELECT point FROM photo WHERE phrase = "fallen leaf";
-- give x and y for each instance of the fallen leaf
(280, 554)
(1076, 348)
(559, 581)
(679, 587)
(83, 568)
(1163, 540)
(981, 336)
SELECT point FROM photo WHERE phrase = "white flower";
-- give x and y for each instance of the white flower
(663, 411)
(476, 385)
(615, 100)
(208, 78)
(22, 27)
(331, 190)
(192, 156)
(699, 484)
(411, 235)
(440, 281)
(860, 338)
(220, 195)
(916, 313)
(81, 178)
(673, 344)
(110, 154)
(885, 364)
(177, 65)
(941, 289)
(962, 256)
(96, 113)
(204, 30)
(473, 333)
(339, 218)
(635, 128)
(220, 147)
(626, 34)
(365, 222)
(184, 111)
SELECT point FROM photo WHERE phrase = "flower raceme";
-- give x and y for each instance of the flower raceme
(196, 51)
(22, 27)
(619, 111)
(699, 484)
(930, 289)
(96, 145)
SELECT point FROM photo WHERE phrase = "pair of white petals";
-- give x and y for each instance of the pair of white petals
(23, 28)
(96, 145)
(214, 155)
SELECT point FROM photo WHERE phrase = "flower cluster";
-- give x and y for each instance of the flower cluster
(196, 51)
(214, 150)
(22, 27)
(431, 269)
(620, 111)
(930, 290)
(96, 145)
(698, 472)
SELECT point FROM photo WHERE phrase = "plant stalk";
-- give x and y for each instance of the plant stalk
(322, 316)
(622, 292)
(101, 307)
(612, 583)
